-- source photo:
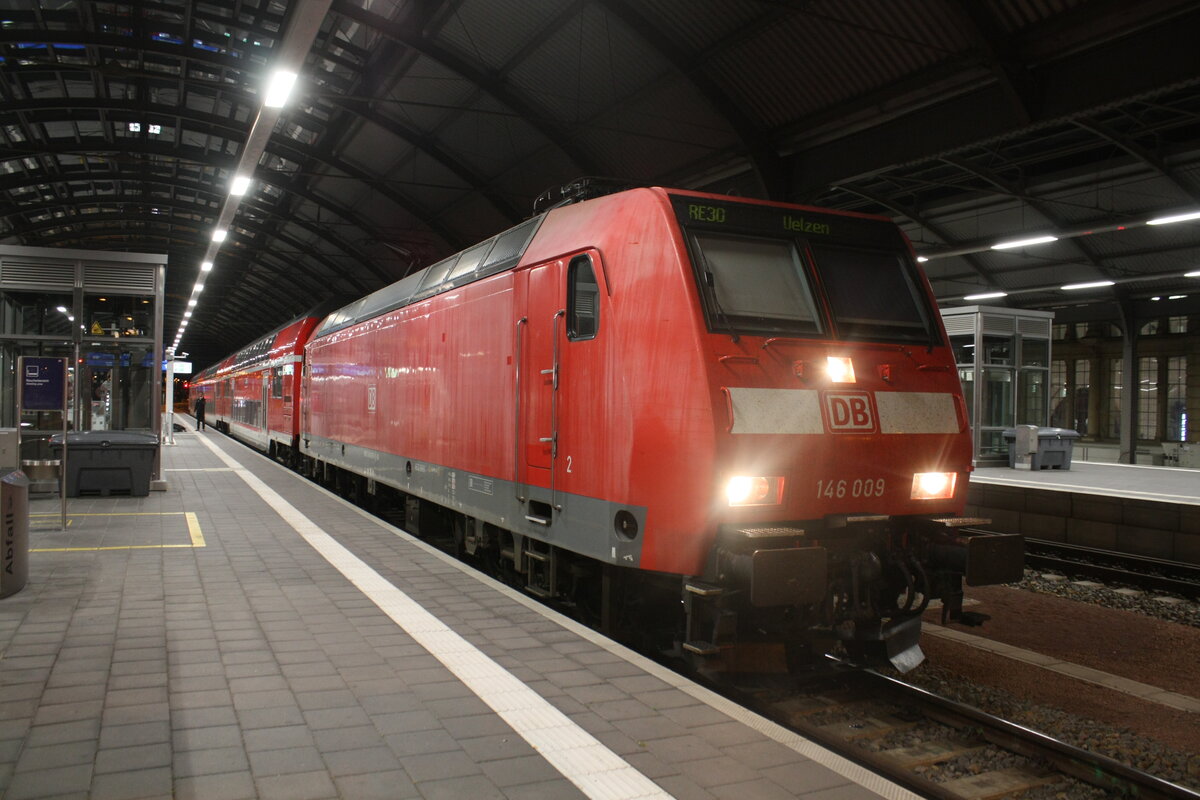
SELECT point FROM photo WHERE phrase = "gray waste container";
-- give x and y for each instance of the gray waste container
(1054, 448)
(107, 462)
(14, 532)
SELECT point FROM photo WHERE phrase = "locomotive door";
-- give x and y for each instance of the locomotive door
(540, 320)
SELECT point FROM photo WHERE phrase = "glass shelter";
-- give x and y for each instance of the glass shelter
(1003, 357)
(100, 310)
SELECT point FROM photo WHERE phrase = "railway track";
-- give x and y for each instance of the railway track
(1152, 574)
(936, 747)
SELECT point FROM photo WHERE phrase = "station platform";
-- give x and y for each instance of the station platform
(1146, 510)
(246, 634)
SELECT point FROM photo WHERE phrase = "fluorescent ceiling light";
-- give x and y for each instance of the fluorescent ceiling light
(1093, 285)
(199, 288)
(192, 302)
(922, 259)
(279, 88)
(240, 184)
(219, 235)
(1174, 218)
(1024, 242)
(205, 266)
(985, 296)
(187, 314)
(1195, 274)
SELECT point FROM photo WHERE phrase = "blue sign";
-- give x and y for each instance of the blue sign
(101, 359)
(43, 383)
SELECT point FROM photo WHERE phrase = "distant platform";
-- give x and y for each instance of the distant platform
(1145, 510)
(1134, 481)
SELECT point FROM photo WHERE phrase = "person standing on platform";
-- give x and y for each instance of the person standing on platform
(200, 413)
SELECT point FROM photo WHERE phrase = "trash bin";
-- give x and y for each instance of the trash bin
(14, 532)
(1054, 448)
(107, 462)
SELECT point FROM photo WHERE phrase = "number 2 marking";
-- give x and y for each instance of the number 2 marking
(568, 463)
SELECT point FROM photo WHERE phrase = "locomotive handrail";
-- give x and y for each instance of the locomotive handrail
(517, 406)
(562, 312)
(776, 339)
(731, 357)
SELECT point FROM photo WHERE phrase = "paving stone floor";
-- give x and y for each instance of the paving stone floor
(190, 644)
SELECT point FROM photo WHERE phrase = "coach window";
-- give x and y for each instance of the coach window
(276, 383)
(583, 300)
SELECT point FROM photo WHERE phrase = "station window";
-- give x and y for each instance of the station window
(1147, 398)
(583, 300)
(1114, 398)
(1177, 416)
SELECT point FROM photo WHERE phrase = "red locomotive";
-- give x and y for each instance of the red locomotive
(659, 400)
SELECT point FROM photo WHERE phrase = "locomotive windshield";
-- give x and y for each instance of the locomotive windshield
(757, 283)
(872, 294)
(777, 270)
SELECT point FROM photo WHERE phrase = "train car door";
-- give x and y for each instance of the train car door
(265, 416)
(540, 315)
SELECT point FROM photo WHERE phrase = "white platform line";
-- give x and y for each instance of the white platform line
(597, 771)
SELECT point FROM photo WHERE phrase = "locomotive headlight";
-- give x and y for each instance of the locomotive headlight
(933, 485)
(840, 369)
(742, 490)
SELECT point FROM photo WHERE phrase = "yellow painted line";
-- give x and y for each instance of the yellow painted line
(193, 524)
(120, 514)
(194, 530)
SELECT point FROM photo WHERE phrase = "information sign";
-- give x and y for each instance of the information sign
(43, 383)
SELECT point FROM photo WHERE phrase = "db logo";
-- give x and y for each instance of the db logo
(848, 412)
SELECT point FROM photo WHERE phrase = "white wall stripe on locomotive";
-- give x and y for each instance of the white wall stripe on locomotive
(799, 411)
(916, 412)
(597, 771)
(776, 410)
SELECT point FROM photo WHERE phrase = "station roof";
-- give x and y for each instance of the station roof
(417, 128)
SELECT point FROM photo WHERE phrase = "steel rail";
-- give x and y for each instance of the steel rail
(1093, 768)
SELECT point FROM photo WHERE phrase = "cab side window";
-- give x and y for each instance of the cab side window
(583, 300)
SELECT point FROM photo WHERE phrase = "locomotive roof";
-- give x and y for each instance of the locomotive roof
(502, 251)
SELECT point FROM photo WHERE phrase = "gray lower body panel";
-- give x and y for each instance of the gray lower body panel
(584, 525)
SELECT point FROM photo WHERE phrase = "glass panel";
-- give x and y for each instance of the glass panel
(992, 442)
(998, 350)
(964, 349)
(117, 316)
(1032, 397)
(997, 398)
(967, 378)
(116, 384)
(872, 294)
(37, 313)
(756, 284)
(1034, 352)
